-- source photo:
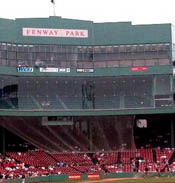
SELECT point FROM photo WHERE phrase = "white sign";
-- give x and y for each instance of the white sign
(45, 32)
(173, 71)
(63, 69)
(142, 123)
(85, 70)
(53, 69)
(49, 69)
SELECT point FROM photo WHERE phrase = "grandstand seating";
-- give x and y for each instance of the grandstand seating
(38, 162)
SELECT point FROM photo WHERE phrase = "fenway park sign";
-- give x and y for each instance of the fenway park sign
(45, 32)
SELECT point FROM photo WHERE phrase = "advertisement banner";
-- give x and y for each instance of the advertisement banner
(173, 71)
(46, 32)
(48, 69)
(85, 70)
(74, 177)
(95, 176)
(63, 69)
(25, 69)
(139, 68)
(53, 69)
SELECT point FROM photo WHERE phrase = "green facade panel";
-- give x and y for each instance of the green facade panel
(7, 31)
(54, 23)
(98, 33)
(126, 33)
(99, 72)
(41, 113)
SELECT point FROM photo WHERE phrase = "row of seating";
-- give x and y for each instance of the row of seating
(38, 162)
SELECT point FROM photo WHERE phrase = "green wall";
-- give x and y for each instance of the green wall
(55, 23)
(101, 72)
(101, 112)
(99, 33)
(7, 30)
(64, 178)
(126, 33)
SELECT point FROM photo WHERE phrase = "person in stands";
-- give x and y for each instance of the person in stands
(158, 169)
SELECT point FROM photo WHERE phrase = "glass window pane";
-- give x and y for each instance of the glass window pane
(99, 64)
(125, 63)
(138, 63)
(113, 63)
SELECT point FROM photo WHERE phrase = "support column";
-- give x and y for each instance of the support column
(154, 92)
(90, 136)
(3, 140)
(172, 133)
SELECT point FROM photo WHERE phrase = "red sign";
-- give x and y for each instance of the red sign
(45, 32)
(73, 177)
(96, 176)
(139, 68)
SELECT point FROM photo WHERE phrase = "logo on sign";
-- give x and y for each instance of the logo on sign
(25, 69)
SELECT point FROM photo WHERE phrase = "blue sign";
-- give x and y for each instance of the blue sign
(25, 69)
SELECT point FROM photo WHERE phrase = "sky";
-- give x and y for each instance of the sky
(135, 11)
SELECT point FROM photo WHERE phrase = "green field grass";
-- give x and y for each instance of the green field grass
(129, 180)
(152, 180)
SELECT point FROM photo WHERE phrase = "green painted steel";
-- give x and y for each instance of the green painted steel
(84, 176)
(120, 175)
(7, 31)
(116, 33)
(126, 33)
(54, 22)
(58, 178)
(54, 178)
(101, 72)
(13, 181)
(37, 113)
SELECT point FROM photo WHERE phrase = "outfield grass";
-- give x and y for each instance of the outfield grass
(152, 180)
(129, 180)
